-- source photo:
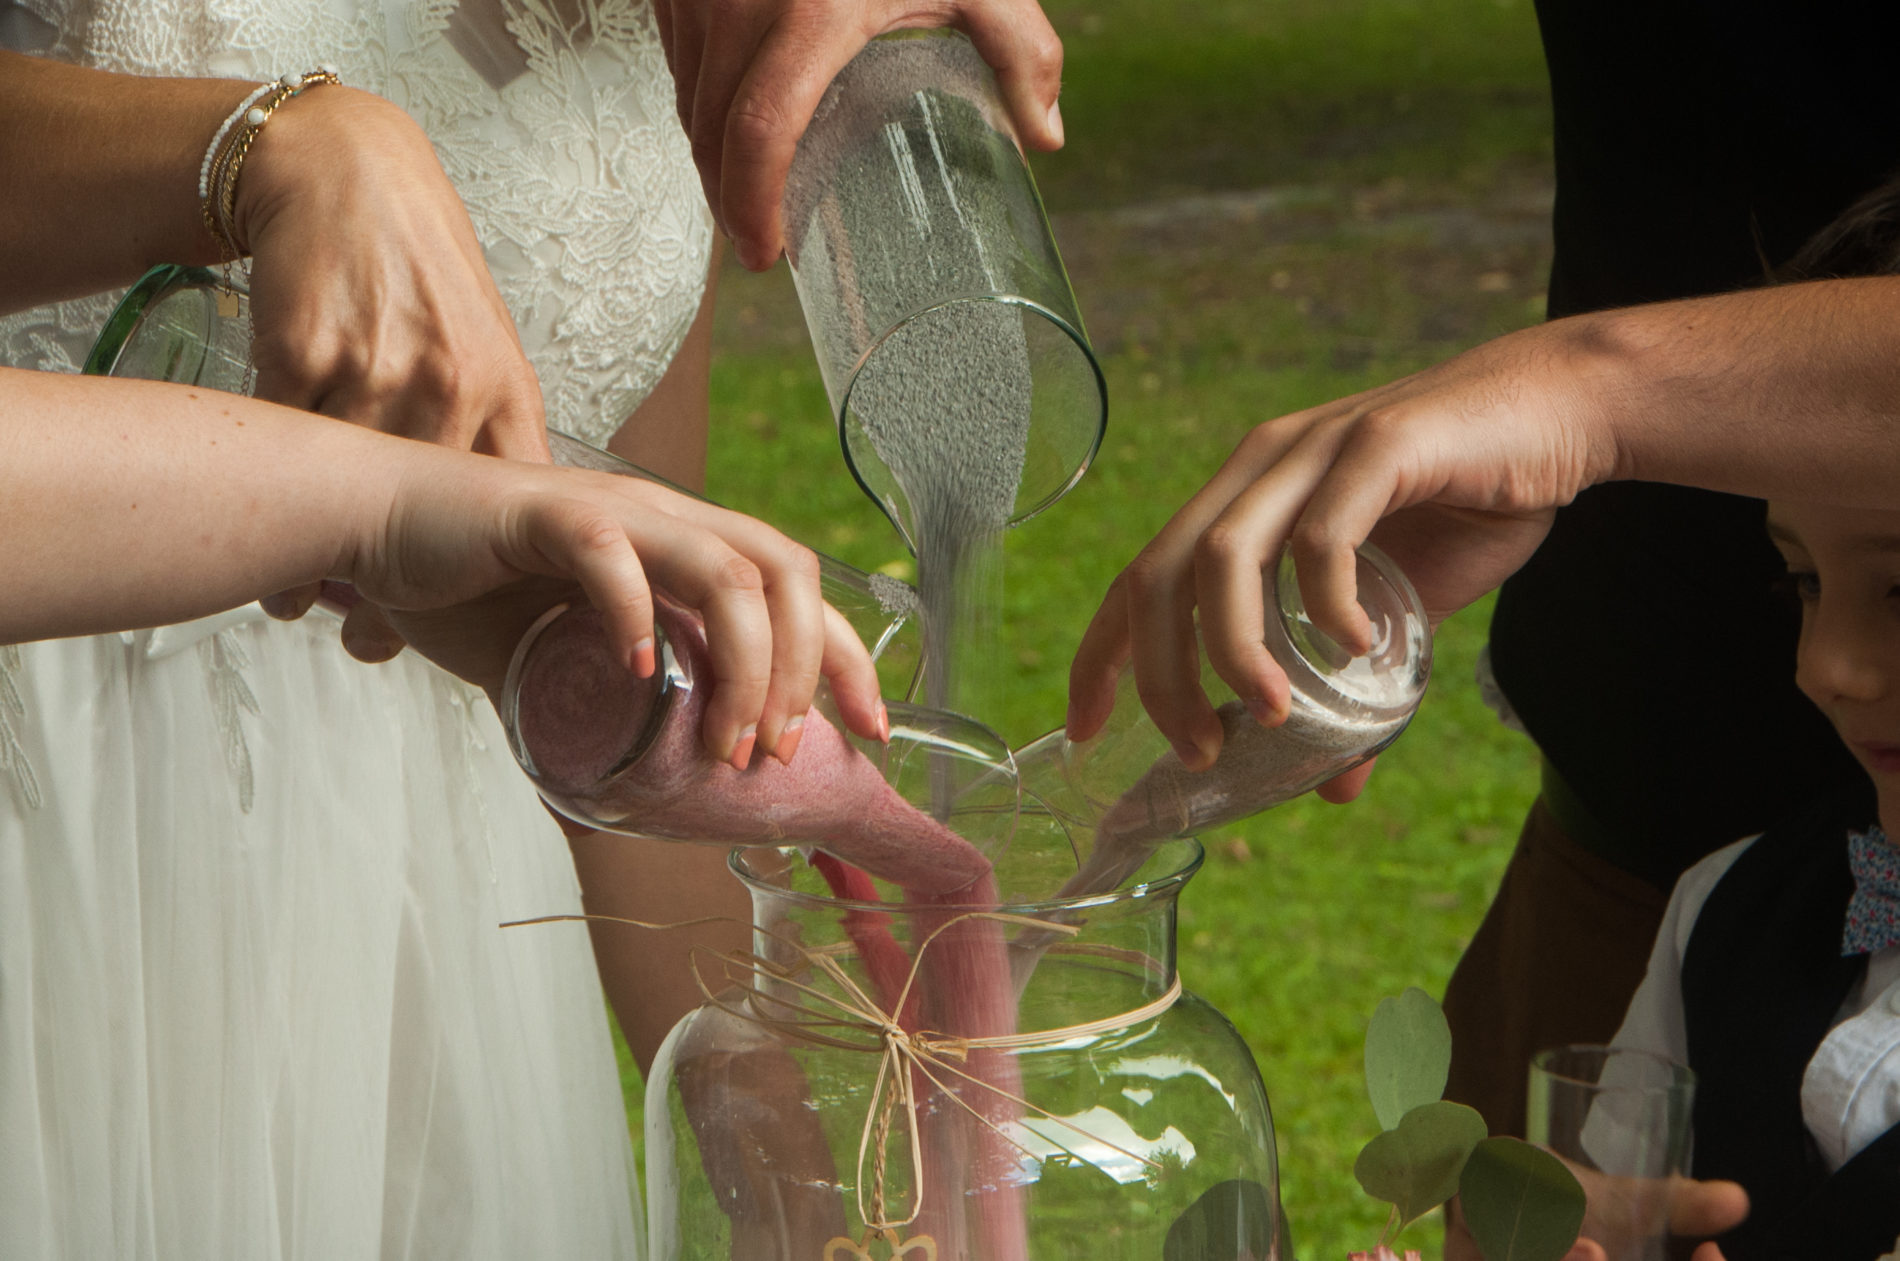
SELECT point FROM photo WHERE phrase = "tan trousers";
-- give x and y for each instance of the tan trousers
(1561, 950)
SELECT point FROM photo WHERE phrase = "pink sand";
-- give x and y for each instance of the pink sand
(580, 710)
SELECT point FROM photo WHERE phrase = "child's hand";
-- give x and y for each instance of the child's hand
(1697, 1209)
(472, 549)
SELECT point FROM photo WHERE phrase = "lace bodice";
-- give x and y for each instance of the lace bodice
(554, 119)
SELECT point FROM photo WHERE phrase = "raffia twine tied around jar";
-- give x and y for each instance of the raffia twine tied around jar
(852, 1020)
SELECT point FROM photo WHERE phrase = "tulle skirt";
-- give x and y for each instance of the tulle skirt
(254, 999)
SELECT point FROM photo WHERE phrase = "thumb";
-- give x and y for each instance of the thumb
(1706, 1208)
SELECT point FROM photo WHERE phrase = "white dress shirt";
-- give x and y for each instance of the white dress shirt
(1850, 1094)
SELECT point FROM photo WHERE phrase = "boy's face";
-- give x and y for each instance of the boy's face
(1844, 564)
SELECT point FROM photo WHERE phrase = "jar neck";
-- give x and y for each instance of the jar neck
(1085, 962)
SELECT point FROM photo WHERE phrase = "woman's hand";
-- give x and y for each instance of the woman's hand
(749, 73)
(371, 299)
(1456, 472)
(464, 563)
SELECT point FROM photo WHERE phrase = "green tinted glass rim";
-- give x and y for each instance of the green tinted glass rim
(119, 326)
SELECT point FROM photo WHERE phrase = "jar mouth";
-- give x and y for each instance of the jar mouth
(1063, 444)
(1180, 857)
(1383, 684)
(672, 682)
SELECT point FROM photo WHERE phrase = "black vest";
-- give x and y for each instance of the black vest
(1762, 980)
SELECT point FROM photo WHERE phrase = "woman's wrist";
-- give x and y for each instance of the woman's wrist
(315, 141)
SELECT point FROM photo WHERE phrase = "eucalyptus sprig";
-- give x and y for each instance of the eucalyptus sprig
(1520, 1202)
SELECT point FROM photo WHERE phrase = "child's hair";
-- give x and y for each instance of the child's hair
(1863, 241)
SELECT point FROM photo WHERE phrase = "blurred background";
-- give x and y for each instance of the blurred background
(1264, 204)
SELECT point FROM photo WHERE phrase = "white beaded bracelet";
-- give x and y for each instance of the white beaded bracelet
(224, 129)
(218, 173)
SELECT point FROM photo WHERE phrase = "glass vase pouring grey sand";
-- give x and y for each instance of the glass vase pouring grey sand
(193, 327)
(944, 324)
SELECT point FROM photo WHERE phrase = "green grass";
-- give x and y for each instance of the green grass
(1410, 139)
(1165, 96)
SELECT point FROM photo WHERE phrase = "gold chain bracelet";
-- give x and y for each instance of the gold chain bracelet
(225, 159)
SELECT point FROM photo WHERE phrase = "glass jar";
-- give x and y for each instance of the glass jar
(1125, 788)
(843, 1094)
(940, 313)
(615, 751)
(193, 327)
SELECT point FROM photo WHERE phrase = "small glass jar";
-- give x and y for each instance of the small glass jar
(841, 1096)
(193, 327)
(615, 751)
(1124, 787)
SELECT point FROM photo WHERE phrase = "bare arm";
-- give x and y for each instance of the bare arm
(370, 296)
(1456, 471)
(169, 502)
(102, 176)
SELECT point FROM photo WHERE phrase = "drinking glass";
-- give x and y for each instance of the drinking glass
(1620, 1118)
(942, 318)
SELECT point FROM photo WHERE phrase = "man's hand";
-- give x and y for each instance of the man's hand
(749, 73)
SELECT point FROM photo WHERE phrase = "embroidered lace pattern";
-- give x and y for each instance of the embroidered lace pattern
(13, 761)
(574, 170)
(555, 121)
(231, 698)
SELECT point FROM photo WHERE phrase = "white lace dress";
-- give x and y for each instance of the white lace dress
(253, 1000)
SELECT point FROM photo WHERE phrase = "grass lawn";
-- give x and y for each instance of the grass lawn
(1264, 204)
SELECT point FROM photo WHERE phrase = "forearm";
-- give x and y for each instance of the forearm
(131, 503)
(1789, 392)
(102, 175)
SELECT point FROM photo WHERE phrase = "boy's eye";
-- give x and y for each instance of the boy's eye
(1799, 584)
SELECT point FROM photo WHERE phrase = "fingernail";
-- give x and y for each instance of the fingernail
(883, 723)
(370, 649)
(1262, 712)
(742, 751)
(643, 658)
(1055, 122)
(1187, 752)
(788, 738)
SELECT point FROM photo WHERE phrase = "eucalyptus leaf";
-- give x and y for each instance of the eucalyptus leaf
(1520, 1202)
(1232, 1221)
(1408, 1055)
(1415, 1166)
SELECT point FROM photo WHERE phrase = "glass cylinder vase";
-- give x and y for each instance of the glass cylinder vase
(940, 313)
(850, 1091)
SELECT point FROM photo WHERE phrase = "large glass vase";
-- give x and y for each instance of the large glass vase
(832, 1100)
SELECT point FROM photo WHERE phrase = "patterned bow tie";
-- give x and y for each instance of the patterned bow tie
(1873, 914)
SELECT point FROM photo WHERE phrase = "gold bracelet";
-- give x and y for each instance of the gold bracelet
(219, 174)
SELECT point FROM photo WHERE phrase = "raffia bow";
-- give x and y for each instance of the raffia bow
(851, 1020)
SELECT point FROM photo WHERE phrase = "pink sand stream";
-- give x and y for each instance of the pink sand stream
(580, 710)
